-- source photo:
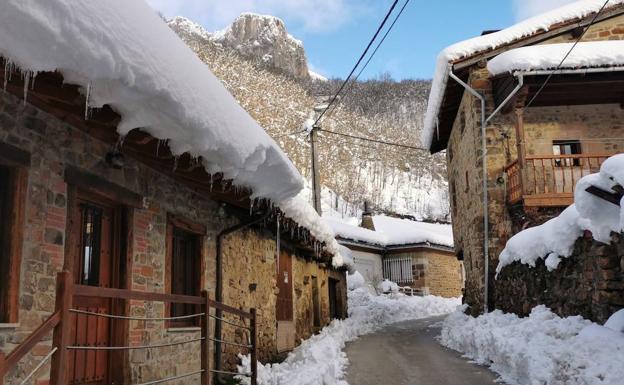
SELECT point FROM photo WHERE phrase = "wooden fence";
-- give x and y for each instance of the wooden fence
(66, 324)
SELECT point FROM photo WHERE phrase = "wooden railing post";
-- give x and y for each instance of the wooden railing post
(205, 343)
(3, 367)
(254, 348)
(62, 332)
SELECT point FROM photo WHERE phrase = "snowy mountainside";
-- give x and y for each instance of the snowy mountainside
(260, 38)
(393, 179)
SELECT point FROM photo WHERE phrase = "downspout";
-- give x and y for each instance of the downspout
(219, 288)
(486, 230)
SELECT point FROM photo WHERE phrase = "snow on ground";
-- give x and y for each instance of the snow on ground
(320, 360)
(542, 349)
(390, 231)
(467, 48)
(593, 54)
(555, 239)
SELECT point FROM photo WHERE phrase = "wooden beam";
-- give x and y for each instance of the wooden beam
(611, 197)
(13, 156)
(93, 183)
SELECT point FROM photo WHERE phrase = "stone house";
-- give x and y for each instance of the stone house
(519, 148)
(415, 255)
(129, 175)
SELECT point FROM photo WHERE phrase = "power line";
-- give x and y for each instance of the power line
(567, 54)
(370, 43)
(372, 54)
(372, 140)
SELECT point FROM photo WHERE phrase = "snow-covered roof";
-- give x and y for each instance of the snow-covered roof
(125, 56)
(390, 231)
(595, 54)
(470, 47)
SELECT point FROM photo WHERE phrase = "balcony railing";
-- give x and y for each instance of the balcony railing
(549, 180)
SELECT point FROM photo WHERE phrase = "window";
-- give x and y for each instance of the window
(184, 267)
(567, 147)
(398, 269)
(13, 183)
(91, 245)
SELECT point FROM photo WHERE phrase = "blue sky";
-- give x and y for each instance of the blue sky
(335, 32)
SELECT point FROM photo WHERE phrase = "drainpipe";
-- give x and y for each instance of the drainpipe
(486, 225)
(219, 288)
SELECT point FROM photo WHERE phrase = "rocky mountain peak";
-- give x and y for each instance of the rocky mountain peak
(260, 38)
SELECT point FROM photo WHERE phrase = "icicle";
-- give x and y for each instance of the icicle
(87, 96)
(120, 142)
(175, 163)
(211, 182)
(32, 81)
(26, 82)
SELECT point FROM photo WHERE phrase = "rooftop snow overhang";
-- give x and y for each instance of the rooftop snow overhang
(442, 109)
(394, 248)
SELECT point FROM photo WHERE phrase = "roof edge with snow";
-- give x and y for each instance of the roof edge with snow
(526, 32)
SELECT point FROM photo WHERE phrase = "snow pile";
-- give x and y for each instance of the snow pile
(540, 349)
(355, 281)
(555, 238)
(388, 286)
(593, 54)
(391, 231)
(616, 321)
(467, 48)
(320, 359)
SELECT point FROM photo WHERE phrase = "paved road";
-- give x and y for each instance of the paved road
(407, 353)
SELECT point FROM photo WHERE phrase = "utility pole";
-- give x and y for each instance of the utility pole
(316, 178)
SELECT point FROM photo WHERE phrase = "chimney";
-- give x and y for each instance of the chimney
(367, 217)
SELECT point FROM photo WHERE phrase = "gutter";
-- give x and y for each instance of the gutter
(486, 225)
(219, 288)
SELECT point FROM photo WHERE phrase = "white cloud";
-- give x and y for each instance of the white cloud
(524, 9)
(312, 15)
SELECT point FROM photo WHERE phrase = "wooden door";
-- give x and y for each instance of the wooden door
(333, 299)
(285, 286)
(95, 253)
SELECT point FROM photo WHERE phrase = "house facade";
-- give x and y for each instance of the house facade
(538, 142)
(134, 239)
(411, 259)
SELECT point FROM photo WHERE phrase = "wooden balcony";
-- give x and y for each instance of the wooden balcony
(549, 180)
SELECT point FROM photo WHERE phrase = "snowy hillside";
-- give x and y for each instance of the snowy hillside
(393, 179)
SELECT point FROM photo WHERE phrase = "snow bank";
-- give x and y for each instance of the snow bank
(555, 238)
(391, 231)
(616, 321)
(547, 57)
(388, 286)
(526, 28)
(355, 281)
(320, 359)
(540, 349)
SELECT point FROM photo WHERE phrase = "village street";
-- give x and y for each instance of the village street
(408, 353)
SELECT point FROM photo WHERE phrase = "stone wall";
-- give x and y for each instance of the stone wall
(464, 160)
(589, 283)
(249, 280)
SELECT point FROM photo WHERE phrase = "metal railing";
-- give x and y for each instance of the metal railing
(67, 320)
(549, 180)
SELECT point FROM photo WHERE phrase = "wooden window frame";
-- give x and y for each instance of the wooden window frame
(576, 148)
(17, 162)
(199, 230)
